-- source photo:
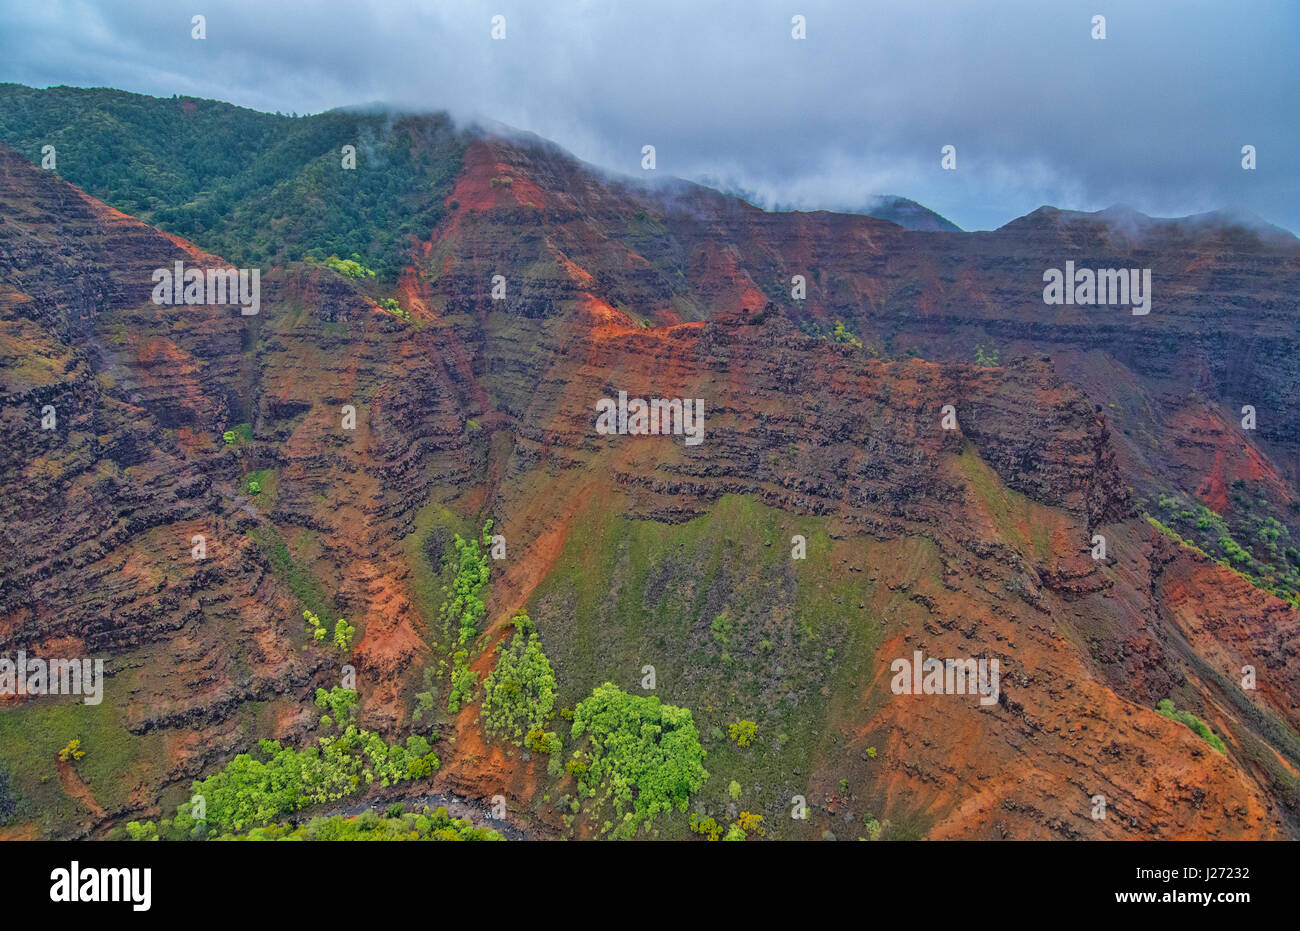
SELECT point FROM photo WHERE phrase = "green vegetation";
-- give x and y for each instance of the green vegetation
(519, 692)
(338, 706)
(750, 823)
(427, 826)
(742, 732)
(457, 594)
(1254, 544)
(257, 789)
(349, 268)
(250, 791)
(262, 482)
(231, 179)
(314, 625)
(605, 608)
(393, 825)
(463, 682)
(642, 754)
(721, 629)
(343, 632)
(841, 335)
(987, 356)
(1018, 518)
(426, 700)
(543, 741)
(465, 606)
(117, 767)
(300, 580)
(238, 435)
(706, 826)
(874, 827)
(391, 305)
(1165, 708)
(428, 552)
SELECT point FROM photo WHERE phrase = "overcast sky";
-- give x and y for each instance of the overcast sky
(1154, 116)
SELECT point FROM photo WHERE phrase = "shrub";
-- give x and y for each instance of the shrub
(751, 823)
(343, 632)
(393, 307)
(841, 335)
(349, 268)
(463, 682)
(137, 831)
(721, 629)
(706, 826)
(1165, 708)
(743, 732)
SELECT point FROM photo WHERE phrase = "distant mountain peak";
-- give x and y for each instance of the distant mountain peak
(1129, 220)
(907, 213)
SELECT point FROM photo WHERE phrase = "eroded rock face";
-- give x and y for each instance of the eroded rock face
(977, 538)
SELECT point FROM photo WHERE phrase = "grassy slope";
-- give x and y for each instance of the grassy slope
(116, 761)
(794, 653)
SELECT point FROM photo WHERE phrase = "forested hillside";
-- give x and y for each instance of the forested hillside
(255, 188)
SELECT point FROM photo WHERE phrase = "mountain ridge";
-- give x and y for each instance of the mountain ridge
(627, 551)
(41, 128)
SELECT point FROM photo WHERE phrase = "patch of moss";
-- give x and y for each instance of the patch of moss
(1165, 708)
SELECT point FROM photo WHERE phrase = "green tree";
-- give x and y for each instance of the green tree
(465, 606)
(644, 755)
(343, 632)
(519, 693)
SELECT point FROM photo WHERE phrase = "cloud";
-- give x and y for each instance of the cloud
(1154, 116)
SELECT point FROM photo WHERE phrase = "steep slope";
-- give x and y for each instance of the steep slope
(635, 551)
(229, 178)
(790, 449)
(104, 508)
